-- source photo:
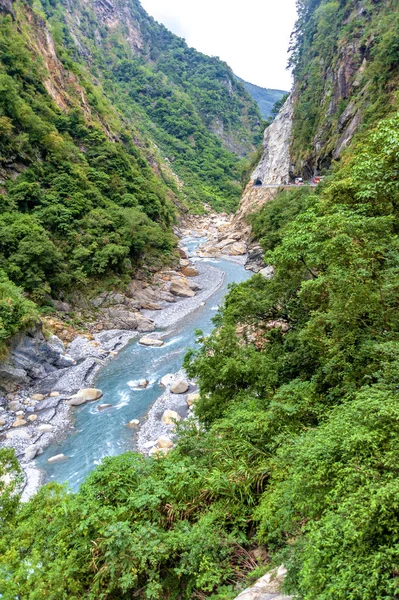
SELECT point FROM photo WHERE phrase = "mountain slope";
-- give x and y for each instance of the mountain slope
(264, 97)
(346, 68)
(107, 127)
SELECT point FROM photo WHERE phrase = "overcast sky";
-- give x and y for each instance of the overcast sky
(252, 36)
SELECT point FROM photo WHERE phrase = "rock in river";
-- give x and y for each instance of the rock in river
(83, 396)
(147, 341)
(180, 386)
(57, 458)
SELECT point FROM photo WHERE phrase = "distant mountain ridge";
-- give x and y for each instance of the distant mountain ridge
(264, 97)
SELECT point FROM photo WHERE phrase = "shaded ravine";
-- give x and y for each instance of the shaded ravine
(98, 434)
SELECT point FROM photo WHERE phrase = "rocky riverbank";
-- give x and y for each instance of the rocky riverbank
(49, 373)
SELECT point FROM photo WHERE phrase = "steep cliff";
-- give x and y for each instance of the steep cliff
(345, 57)
(109, 126)
(346, 67)
(275, 164)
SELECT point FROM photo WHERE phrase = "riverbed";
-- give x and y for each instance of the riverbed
(97, 434)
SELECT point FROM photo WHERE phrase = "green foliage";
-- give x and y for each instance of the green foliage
(83, 206)
(297, 446)
(265, 98)
(15, 310)
(176, 96)
(360, 43)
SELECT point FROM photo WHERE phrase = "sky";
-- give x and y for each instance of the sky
(252, 36)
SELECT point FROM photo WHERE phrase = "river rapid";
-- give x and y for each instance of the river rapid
(98, 434)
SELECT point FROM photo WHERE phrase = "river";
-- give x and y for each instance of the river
(97, 434)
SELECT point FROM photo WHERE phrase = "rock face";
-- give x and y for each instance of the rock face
(31, 357)
(6, 7)
(275, 165)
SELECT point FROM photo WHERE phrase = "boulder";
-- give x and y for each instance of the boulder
(32, 418)
(57, 458)
(181, 289)
(14, 406)
(31, 451)
(145, 325)
(189, 271)
(54, 394)
(267, 587)
(19, 423)
(143, 383)
(37, 397)
(192, 398)
(267, 272)
(3, 421)
(182, 253)
(180, 386)
(237, 249)
(45, 428)
(167, 380)
(147, 341)
(133, 423)
(164, 442)
(83, 396)
(170, 416)
(104, 406)
(20, 434)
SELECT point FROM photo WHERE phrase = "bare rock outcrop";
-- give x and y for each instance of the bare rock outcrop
(275, 164)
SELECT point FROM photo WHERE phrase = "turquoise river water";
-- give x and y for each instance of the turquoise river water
(99, 434)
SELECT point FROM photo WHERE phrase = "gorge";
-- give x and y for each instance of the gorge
(255, 459)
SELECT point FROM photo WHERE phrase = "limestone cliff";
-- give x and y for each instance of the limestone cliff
(275, 165)
(274, 168)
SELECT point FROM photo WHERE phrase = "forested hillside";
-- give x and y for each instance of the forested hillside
(265, 98)
(345, 57)
(293, 455)
(102, 138)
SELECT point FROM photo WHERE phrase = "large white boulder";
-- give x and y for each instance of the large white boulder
(83, 396)
(180, 386)
(57, 458)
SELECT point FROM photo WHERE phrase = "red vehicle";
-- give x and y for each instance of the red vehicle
(317, 179)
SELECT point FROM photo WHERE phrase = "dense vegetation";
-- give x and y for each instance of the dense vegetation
(265, 98)
(86, 195)
(298, 444)
(189, 104)
(345, 56)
